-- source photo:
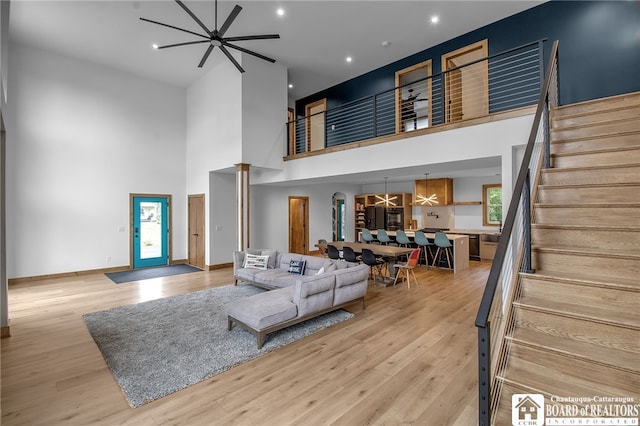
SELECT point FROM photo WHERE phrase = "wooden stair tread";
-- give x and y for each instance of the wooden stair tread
(587, 313)
(595, 151)
(589, 185)
(593, 228)
(591, 124)
(580, 168)
(611, 357)
(586, 205)
(598, 252)
(622, 101)
(546, 374)
(588, 280)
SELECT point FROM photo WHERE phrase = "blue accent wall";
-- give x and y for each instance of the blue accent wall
(599, 50)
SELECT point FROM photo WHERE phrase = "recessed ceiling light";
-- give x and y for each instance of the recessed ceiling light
(280, 11)
(290, 86)
(154, 45)
(349, 59)
(386, 43)
(435, 19)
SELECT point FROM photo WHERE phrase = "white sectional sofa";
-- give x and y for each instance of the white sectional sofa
(324, 286)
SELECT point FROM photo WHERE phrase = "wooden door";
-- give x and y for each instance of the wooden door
(315, 124)
(299, 225)
(454, 92)
(196, 230)
(466, 85)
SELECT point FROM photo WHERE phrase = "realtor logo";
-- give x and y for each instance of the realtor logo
(527, 409)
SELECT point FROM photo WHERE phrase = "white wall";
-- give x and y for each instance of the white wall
(270, 213)
(81, 138)
(264, 113)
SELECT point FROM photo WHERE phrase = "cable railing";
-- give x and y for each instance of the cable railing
(507, 80)
(513, 254)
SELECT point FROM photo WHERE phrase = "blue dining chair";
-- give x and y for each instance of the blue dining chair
(401, 238)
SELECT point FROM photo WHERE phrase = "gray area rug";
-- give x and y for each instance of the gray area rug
(148, 273)
(159, 347)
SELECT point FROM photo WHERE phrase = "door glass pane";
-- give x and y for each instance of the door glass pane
(150, 230)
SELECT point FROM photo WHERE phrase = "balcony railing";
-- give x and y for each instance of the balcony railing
(497, 83)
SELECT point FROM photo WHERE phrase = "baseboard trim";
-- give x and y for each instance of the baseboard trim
(5, 332)
(219, 266)
(13, 281)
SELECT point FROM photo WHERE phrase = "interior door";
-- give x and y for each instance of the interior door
(196, 230)
(298, 225)
(467, 84)
(315, 124)
(150, 231)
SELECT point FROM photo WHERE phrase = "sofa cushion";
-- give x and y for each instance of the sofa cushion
(275, 278)
(263, 310)
(351, 284)
(315, 263)
(313, 293)
(247, 274)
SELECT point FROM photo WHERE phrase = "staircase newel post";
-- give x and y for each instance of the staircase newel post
(484, 376)
(526, 225)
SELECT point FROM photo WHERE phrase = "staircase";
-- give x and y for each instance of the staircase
(576, 319)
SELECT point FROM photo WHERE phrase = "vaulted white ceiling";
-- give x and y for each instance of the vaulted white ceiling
(316, 36)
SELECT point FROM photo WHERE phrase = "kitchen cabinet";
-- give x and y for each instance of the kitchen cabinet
(442, 188)
(362, 201)
(488, 246)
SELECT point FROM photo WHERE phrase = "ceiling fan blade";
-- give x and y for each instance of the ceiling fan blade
(175, 28)
(206, 56)
(231, 58)
(253, 37)
(242, 49)
(182, 44)
(232, 16)
(195, 18)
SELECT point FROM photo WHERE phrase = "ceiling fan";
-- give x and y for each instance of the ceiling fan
(216, 37)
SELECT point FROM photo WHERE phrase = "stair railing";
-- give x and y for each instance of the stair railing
(513, 254)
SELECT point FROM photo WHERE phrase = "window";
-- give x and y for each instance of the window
(492, 205)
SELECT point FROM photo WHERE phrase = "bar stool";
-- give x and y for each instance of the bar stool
(383, 237)
(401, 238)
(368, 237)
(423, 243)
(444, 245)
(333, 252)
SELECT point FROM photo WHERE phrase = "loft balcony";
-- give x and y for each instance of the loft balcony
(474, 89)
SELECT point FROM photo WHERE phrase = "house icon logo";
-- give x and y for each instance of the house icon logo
(527, 409)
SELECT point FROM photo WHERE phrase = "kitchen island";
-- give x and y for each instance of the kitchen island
(460, 248)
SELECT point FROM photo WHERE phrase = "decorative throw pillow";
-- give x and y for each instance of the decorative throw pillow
(297, 267)
(273, 254)
(255, 261)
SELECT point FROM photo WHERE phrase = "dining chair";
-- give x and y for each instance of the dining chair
(444, 246)
(423, 243)
(368, 237)
(375, 263)
(383, 237)
(333, 252)
(349, 255)
(407, 267)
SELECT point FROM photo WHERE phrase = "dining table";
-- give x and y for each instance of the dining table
(390, 254)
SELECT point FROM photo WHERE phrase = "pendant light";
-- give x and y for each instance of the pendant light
(432, 199)
(386, 200)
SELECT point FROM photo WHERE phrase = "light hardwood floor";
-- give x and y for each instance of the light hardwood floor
(409, 358)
